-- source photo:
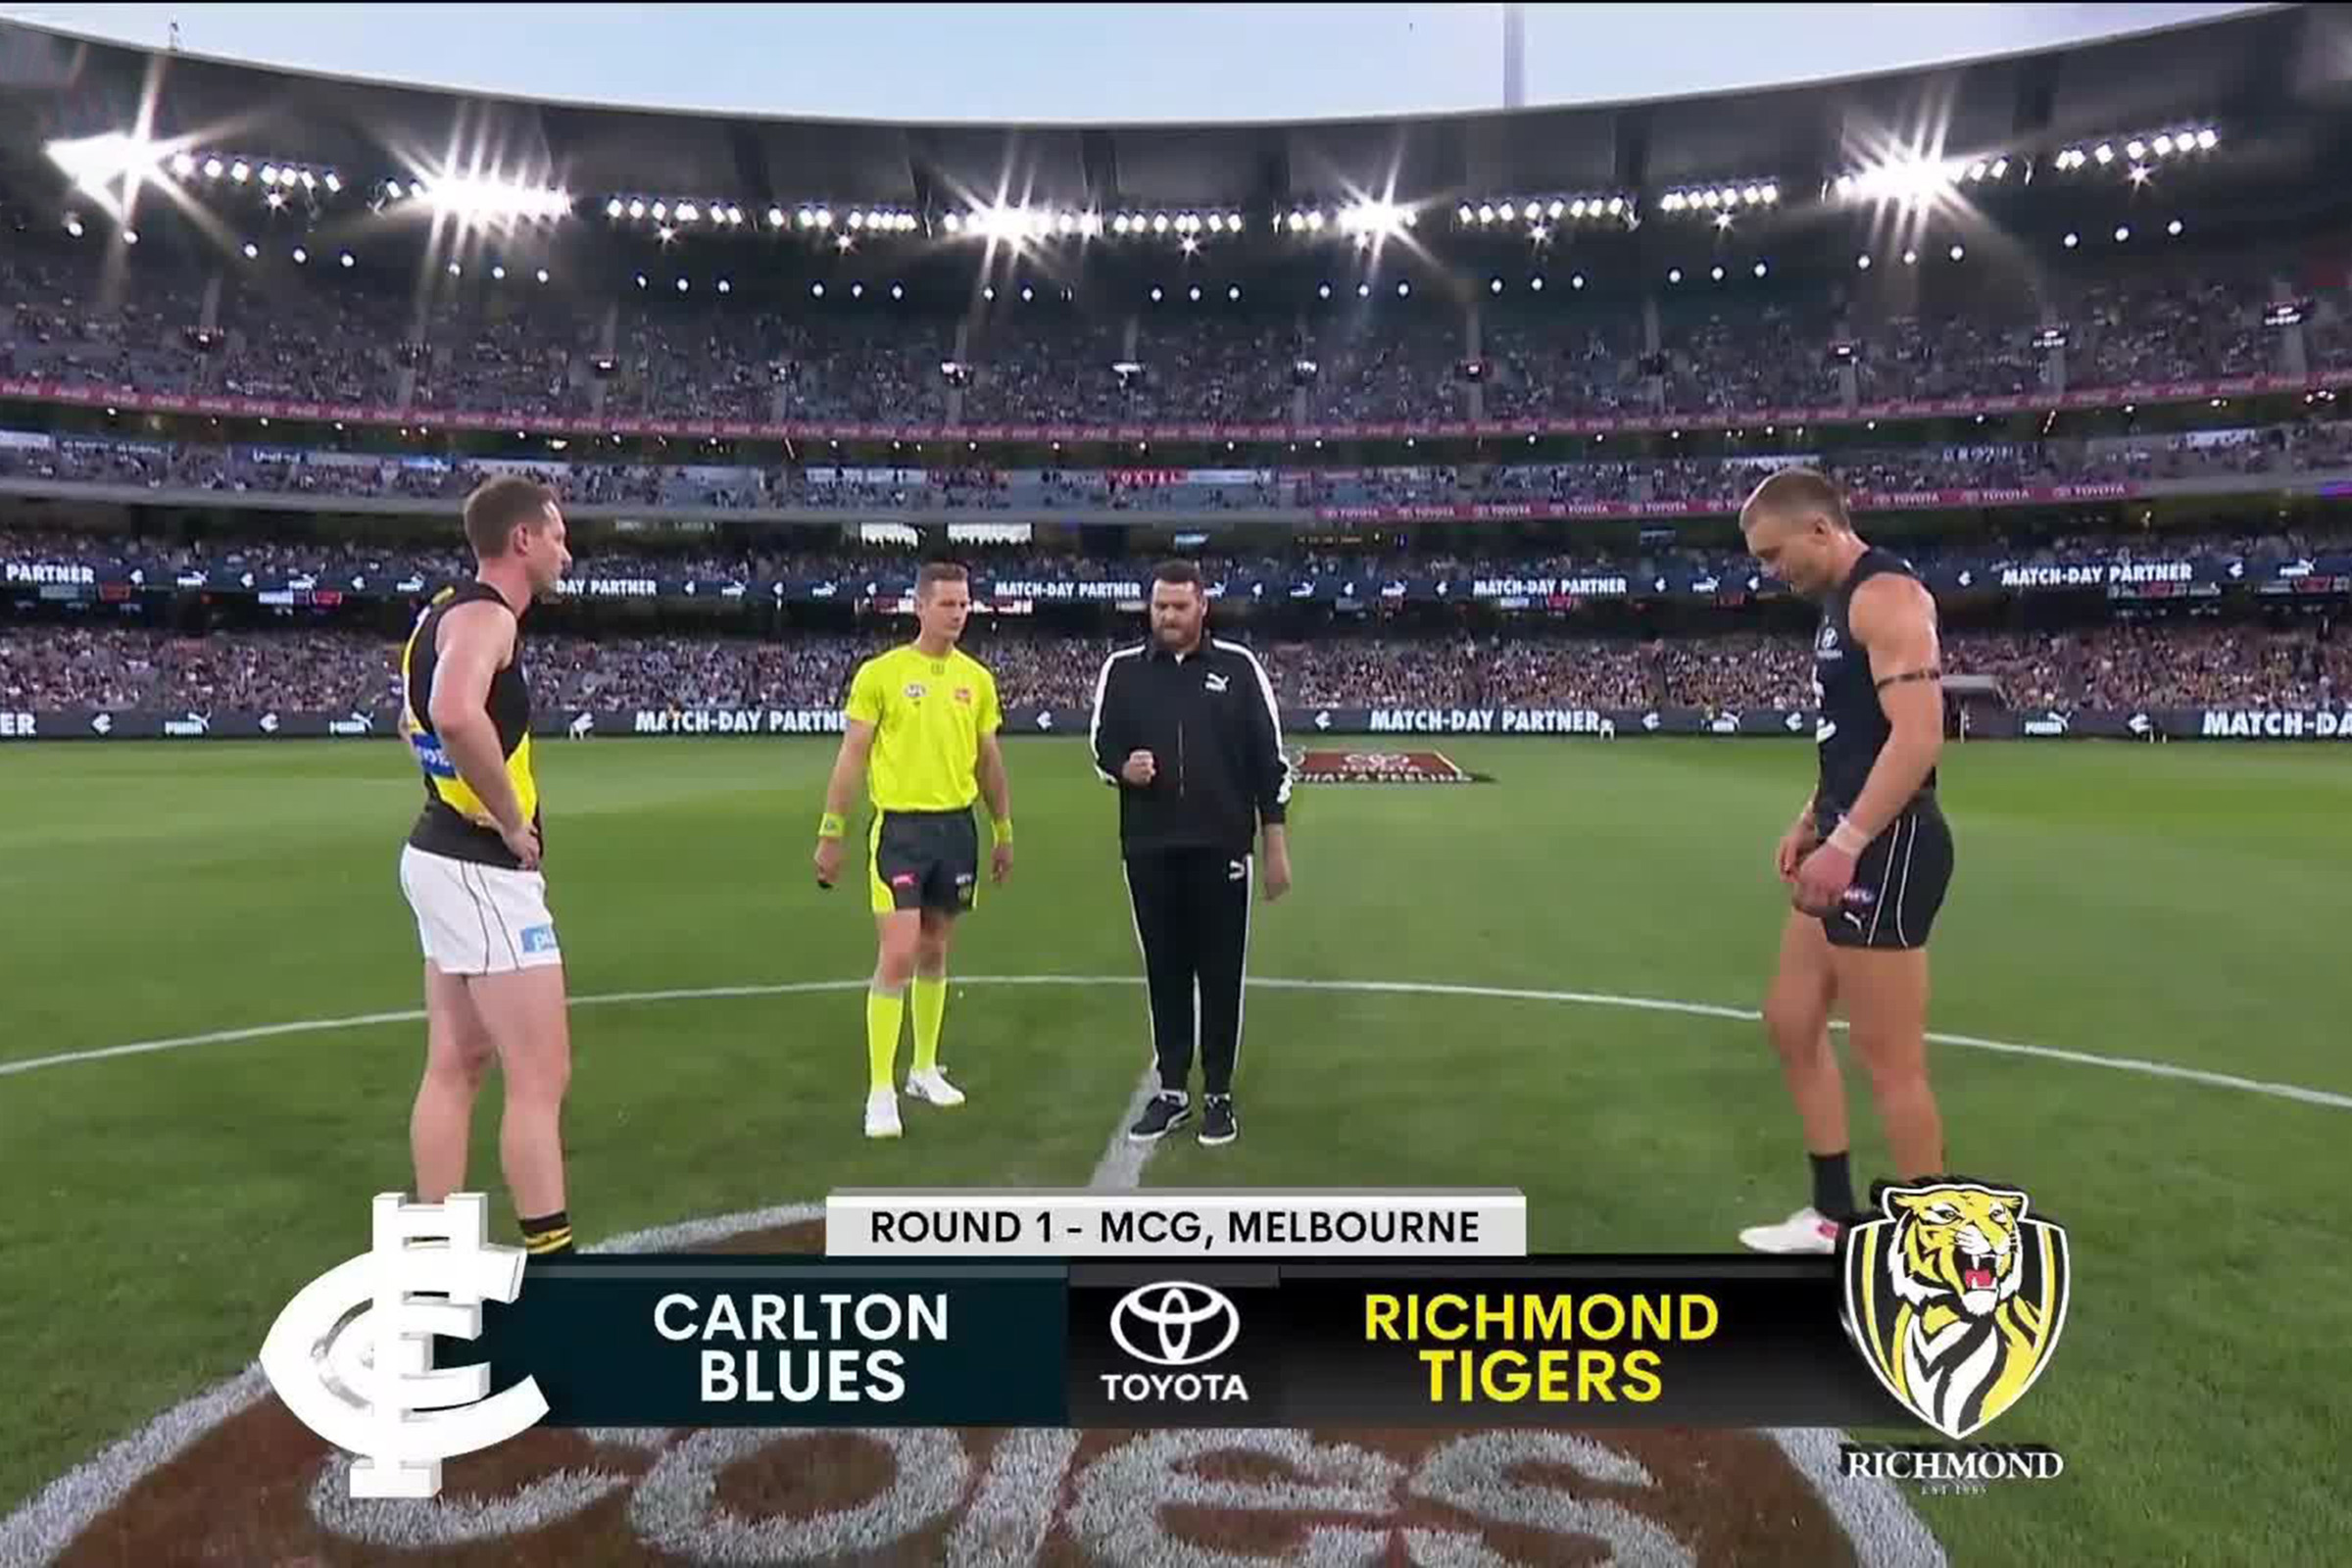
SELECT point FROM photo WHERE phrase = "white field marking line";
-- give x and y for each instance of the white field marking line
(1595, 999)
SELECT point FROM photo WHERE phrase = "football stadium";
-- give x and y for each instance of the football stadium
(1454, 418)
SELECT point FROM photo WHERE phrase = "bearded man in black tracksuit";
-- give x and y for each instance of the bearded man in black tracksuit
(1186, 729)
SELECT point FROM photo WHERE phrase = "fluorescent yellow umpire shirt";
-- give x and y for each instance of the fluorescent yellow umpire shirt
(928, 716)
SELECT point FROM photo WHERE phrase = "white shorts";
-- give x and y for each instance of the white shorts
(478, 919)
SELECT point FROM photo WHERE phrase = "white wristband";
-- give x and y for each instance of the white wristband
(1848, 838)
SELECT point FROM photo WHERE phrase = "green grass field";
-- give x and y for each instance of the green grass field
(2184, 905)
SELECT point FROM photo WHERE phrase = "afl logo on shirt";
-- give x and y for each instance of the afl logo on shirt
(915, 691)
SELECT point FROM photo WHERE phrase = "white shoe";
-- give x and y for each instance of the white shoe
(1805, 1231)
(882, 1114)
(934, 1086)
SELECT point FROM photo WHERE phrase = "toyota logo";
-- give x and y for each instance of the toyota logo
(1186, 1324)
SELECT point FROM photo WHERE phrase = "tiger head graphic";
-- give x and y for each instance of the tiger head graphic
(1956, 1297)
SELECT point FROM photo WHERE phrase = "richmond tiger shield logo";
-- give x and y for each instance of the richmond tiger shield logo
(1955, 1298)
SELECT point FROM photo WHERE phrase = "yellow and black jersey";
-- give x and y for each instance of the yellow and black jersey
(455, 822)
(928, 716)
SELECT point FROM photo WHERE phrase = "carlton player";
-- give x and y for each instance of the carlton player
(1870, 857)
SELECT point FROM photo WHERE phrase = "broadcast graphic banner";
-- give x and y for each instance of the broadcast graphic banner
(1636, 1340)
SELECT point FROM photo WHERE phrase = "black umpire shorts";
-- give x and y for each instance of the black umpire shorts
(924, 861)
(1899, 882)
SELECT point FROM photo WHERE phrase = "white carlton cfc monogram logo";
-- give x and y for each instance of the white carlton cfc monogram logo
(366, 1385)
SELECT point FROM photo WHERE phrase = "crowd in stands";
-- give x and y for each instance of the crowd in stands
(528, 349)
(2122, 665)
(1708, 484)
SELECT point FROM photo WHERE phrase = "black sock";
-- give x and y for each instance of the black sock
(1833, 1187)
(548, 1237)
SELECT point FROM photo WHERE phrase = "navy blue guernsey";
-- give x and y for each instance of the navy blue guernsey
(1852, 728)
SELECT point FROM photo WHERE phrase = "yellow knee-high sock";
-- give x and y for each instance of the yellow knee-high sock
(930, 1011)
(885, 1011)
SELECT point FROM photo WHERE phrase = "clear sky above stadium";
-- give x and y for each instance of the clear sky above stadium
(1099, 63)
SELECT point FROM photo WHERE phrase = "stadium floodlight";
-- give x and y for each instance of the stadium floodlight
(498, 272)
(212, 169)
(775, 218)
(1979, 170)
(240, 171)
(2208, 139)
(857, 290)
(1193, 294)
(456, 270)
(726, 288)
(1495, 286)
(688, 211)
(1486, 212)
(1379, 218)
(1404, 290)
(666, 233)
(1363, 292)
(274, 200)
(1576, 281)
(1558, 207)
(2135, 149)
(333, 182)
(348, 259)
(300, 256)
(2000, 168)
(1464, 212)
(1159, 222)
(542, 274)
(614, 208)
(1910, 258)
(1616, 206)
(808, 216)
(1862, 262)
(1672, 203)
(1539, 233)
(2104, 153)
(1718, 274)
(641, 281)
(1674, 274)
(734, 216)
(2123, 233)
(2073, 240)
(1958, 252)
(817, 291)
(252, 251)
(1323, 291)
(825, 218)
(2172, 228)
(1233, 293)
(73, 227)
(472, 197)
(183, 163)
(130, 236)
(1536, 282)
(660, 212)
(637, 208)
(270, 174)
(1120, 224)
(897, 291)
(1505, 212)
(1753, 195)
(1029, 294)
(1761, 268)
(1157, 295)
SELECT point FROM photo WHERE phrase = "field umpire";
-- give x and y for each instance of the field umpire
(1186, 729)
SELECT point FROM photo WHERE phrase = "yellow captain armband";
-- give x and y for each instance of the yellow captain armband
(831, 826)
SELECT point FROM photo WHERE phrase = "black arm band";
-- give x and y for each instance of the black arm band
(1916, 675)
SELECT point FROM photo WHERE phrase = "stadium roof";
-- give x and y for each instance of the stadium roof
(2270, 67)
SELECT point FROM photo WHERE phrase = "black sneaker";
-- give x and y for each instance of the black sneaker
(1163, 1115)
(1218, 1124)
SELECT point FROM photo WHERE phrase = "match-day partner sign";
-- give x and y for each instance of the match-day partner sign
(1053, 1310)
